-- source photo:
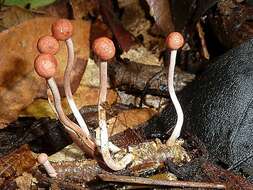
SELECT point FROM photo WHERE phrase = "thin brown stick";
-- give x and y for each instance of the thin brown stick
(147, 181)
(203, 41)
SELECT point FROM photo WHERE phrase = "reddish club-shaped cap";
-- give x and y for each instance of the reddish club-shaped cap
(175, 40)
(42, 158)
(45, 65)
(104, 48)
(48, 45)
(62, 29)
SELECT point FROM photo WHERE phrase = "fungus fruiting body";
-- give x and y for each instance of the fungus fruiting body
(45, 65)
(104, 48)
(43, 160)
(48, 44)
(62, 29)
(174, 41)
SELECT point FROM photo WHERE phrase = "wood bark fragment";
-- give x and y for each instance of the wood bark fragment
(233, 181)
(148, 157)
(140, 80)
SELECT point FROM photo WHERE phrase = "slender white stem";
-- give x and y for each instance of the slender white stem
(180, 115)
(79, 137)
(57, 103)
(67, 87)
(50, 99)
(104, 143)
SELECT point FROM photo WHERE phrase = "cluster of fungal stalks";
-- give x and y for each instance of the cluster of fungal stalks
(46, 66)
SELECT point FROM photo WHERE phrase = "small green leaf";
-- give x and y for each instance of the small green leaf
(32, 4)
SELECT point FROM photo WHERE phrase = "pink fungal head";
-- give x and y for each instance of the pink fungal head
(48, 45)
(45, 65)
(104, 48)
(42, 158)
(62, 29)
(174, 40)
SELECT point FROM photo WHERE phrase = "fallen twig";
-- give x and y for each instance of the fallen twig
(147, 181)
(203, 41)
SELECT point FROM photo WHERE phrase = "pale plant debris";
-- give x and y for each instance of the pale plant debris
(141, 55)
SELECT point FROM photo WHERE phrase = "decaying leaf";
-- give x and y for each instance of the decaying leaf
(160, 10)
(19, 84)
(59, 9)
(141, 55)
(84, 96)
(81, 9)
(17, 162)
(14, 15)
(128, 119)
(11, 16)
(136, 22)
(24, 182)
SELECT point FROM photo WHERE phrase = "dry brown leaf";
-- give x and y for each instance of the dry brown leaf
(160, 10)
(82, 9)
(57, 9)
(24, 182)
(11, 16)
(17, 162)
(19, 84)
(84, 96)
(129, 119)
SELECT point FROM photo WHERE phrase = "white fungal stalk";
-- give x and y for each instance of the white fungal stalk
(180, 115)
(67, 88)
(104, 143)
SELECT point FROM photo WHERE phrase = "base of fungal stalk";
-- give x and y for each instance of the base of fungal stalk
(112, 147)
(116, 165)
(104, 142)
